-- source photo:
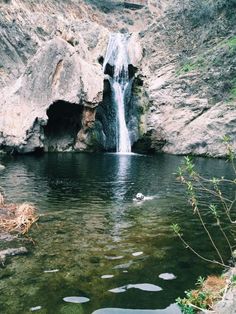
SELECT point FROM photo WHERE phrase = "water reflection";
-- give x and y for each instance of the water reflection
(123, 182)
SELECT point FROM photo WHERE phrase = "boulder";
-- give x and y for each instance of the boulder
(55, 73)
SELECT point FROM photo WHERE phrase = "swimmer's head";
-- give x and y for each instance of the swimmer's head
(139, 196)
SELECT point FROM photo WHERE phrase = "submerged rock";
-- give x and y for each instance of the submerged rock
(11, 252)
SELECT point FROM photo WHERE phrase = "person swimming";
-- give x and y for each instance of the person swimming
(139, 197)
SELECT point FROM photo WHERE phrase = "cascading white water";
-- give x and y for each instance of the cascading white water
(117, 56)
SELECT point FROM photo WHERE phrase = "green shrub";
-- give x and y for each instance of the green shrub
(232, 91)
(191, 66)
(231, 43)
(220, 211)
(200, 12)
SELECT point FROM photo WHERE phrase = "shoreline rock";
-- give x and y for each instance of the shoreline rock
(228, 303)
(4, 254)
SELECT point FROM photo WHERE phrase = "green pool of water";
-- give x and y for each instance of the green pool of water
(93, 241)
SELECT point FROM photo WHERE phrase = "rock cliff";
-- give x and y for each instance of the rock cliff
(54, 95)
(50, 77)
(190, 66)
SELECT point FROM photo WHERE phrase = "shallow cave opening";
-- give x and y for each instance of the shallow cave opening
(64, 123)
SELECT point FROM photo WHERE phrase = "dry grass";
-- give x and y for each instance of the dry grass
(214, 284)
(16, 218)
(210, 292)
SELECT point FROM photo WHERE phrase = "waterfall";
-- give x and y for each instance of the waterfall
(117, 56)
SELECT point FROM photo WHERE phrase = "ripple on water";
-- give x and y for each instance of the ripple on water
(76, 299)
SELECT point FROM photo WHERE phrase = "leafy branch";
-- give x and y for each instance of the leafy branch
(196, 183)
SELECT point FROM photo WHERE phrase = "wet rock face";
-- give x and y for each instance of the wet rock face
(136, 100)
(107, 111)
(106, 118)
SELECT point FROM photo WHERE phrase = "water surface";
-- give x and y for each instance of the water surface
(96, 250)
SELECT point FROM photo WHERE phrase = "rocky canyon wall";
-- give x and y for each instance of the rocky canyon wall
(55, 97)
(190, 66)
